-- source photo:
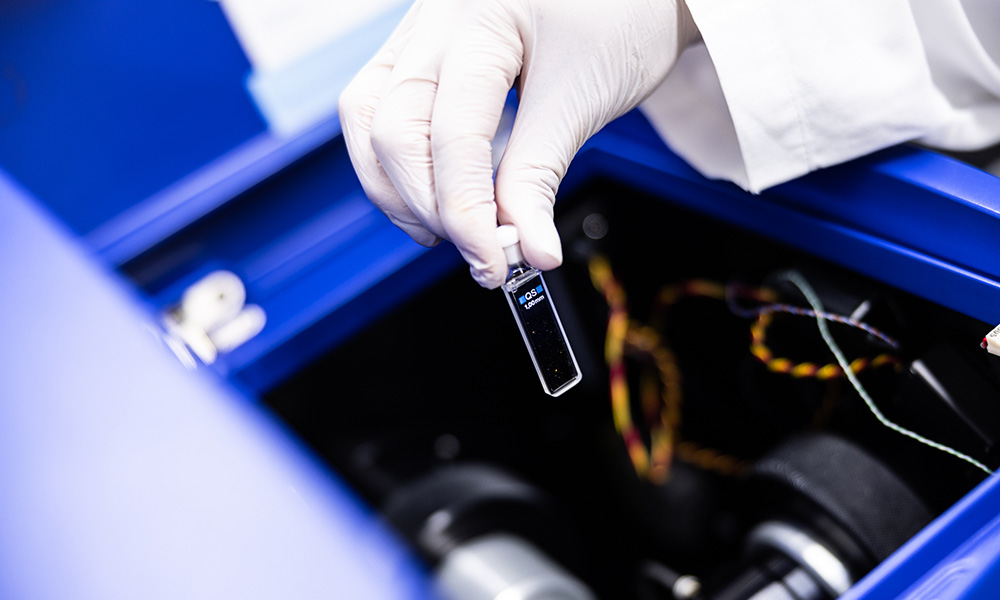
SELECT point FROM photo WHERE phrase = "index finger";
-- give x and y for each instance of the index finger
(357, 106)
(476, 76)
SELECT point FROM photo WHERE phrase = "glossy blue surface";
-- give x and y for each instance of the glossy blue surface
(908, 217)
(107, 103)
(955, 557)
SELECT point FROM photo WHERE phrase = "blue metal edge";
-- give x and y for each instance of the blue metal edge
(940, 246)
(381, 268)
(955, 557)
(164, 214)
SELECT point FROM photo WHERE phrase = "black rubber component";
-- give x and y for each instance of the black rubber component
(471, 499)
(850, 487)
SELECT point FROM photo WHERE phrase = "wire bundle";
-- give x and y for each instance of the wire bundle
(660, 386)
(760, 350)
(660, 389)
(652, 462)
(813, 299)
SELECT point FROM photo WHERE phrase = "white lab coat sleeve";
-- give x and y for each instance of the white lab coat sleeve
(962, 41)
(783, 87)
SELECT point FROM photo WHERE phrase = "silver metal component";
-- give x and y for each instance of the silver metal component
(505, 567)
(920, 369)
(663, 578)
(595, 226)
(447, 447)
(178, 347)
(802, 584)
(773, 591)
(796, 585)
(807, 552)
(862, 310)
(432, 536)
(686, 587)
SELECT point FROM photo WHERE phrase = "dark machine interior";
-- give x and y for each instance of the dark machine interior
(437, 407)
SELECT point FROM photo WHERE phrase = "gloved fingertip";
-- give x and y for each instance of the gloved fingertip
(540, 242)
(415, 230)
(545, 257)
(428, 240)
(489, 278)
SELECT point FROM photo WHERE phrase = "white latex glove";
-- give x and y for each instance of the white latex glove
(419, 117)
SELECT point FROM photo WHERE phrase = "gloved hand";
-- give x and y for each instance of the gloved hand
(419, 117)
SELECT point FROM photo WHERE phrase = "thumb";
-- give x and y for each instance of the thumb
(538, 153)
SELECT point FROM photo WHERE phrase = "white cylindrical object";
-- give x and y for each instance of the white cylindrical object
(213, 300)
(511, 244)
(504, 566)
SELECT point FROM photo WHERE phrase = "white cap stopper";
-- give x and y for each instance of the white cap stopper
(511, 244)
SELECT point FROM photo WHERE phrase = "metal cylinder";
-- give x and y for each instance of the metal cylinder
(504, 566)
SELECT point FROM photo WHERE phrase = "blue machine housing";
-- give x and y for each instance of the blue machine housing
(130, 124)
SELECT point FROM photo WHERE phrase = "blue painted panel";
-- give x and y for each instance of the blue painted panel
(154, 219)
(905, 216)
(132, 121)
(103, 104)
(957, 557)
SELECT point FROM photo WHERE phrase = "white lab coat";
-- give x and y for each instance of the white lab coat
(783, 87)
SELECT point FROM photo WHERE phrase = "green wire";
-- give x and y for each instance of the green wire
(800, 282)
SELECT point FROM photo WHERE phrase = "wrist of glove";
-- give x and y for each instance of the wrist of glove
(419, 118)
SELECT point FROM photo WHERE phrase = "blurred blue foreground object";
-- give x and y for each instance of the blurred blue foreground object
(126, 476)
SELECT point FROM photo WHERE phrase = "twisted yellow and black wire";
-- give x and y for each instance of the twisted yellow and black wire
(660, 382)
(660, 390)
